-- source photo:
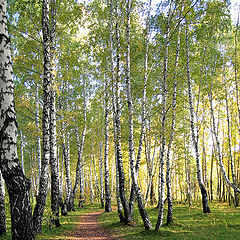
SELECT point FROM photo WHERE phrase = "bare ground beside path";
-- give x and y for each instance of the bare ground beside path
(90, 229)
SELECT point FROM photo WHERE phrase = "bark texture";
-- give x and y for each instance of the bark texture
(43, 184)
(66, 152)
(118, 127)
(18, 185)
(2, 207)
(108, 207)
(53, 132)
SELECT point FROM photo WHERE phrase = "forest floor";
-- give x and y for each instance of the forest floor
(189, 223)
(92, 223)
(90, 229)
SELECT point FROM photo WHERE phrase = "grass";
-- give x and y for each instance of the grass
(189, 223)
(68, 223)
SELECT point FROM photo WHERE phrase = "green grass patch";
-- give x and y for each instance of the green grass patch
(189, 223)
(68, 223)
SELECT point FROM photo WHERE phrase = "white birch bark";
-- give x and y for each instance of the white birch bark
(53, 132)
(168, 161)
(163, 129)
(101, 175)
(43, 184)
(236, 197)
(118, 126)
(218, 148)
(22, 151)
(2, 207)
(80, 146)
(108, 207)
(205, 205)
(18, 185)
(38, 137)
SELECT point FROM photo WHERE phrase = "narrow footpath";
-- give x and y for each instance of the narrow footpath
(90, 229)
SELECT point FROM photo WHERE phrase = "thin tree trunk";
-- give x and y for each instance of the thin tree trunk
(220, 159)
(90, 177)
(80, 147)
(168, 162)
(22, 151)
(43, 184)
(118, 127)
(163, 136)
(53, 132)
(108, 207)
(38, 137)
(119, 205)
(2, 207)
(134, 174)
(101, 175)
(205, 204)
(236, 200)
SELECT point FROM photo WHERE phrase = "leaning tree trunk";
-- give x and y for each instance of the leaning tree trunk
(205, 204)
(2, 207)
(18, 185)
(108, 207)
(43, 184)
(53, 132)
(218, 148)
(168, 162)
(136, 188)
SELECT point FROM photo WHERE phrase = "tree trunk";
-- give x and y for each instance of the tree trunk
(22, 151)
(118, 127)
(90, 178)
(61, 203)
(43, 184)
(205, 204)
(108, 207)
(164, 113)
(168, 162)
(18, 185)
(134, 174)
(236, 200)
(38, 137)
(80, 147)
(66, 152)
(218, 148)
(53, 132)
(101, 175)
(2, 207)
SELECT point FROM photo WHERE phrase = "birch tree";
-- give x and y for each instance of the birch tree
(43, 184)
(2, 207)
(204, 194)
(18, 186)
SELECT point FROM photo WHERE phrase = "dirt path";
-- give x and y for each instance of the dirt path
(90, 229)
